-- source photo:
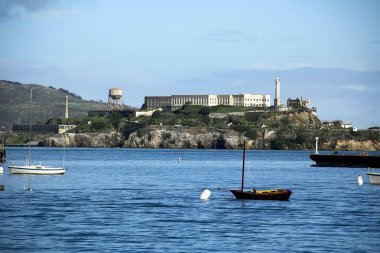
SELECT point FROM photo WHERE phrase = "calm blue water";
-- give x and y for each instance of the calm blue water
(142, 200)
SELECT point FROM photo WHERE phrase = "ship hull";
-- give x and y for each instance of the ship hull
(374, 178)
(343, 160)
(275, 194)
(36, 170)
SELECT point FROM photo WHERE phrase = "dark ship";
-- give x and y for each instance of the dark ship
(336, 159)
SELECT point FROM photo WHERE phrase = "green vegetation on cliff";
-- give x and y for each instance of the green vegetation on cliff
(269, 130)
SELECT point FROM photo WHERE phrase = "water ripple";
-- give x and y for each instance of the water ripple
(145, 201)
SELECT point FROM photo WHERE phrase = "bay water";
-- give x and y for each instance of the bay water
(147, 200)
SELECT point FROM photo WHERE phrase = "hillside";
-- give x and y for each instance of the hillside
(48, 102)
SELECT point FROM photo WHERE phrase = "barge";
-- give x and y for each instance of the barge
(336, 159)
(346, 160)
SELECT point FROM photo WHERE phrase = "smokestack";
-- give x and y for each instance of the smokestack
(67, 108)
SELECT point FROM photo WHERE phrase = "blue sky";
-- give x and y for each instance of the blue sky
(327, 51)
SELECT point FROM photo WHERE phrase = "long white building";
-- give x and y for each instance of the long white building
(176, 101)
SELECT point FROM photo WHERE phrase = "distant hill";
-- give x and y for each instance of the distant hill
(48, 102)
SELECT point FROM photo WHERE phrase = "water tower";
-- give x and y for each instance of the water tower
(115, 99)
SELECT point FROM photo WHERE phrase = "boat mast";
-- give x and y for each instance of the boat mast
(242, 173)
(64, 152)
(30, 127)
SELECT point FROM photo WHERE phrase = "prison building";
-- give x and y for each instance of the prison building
(176, 101)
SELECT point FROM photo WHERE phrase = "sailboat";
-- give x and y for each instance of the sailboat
(272, 194)
(29, 167)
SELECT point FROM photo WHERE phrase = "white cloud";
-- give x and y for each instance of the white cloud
(8, 64)
(10, 8)
(358, 87)
(50, 14)
(286, 66)
(299, 62)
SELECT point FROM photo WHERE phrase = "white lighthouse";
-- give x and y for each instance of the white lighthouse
(67, 108)
(277, 102)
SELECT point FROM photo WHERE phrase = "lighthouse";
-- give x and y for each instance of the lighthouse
(277, 102)
(67, 108)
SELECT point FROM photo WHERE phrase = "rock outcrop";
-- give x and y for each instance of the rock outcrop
(351, 145)
(184, 137)
(202, 138)
(84, 140)
(297, 119)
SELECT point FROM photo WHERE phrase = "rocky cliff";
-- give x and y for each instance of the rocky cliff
(202, 138)
(153, 137)
(107, 140)
(300, 119)
(184, 137)
(351, 145)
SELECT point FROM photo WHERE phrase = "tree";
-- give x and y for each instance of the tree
(205, 111)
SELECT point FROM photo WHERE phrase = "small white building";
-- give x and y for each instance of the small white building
(330, 123)
(64, 128)
(149, 113)
(345, 124)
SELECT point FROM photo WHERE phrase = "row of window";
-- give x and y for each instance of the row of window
(257, 99)
(157, 102)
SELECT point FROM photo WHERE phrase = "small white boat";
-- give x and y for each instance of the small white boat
(36, 169)
(374, 177)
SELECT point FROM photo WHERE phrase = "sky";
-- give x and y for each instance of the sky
(325, 50)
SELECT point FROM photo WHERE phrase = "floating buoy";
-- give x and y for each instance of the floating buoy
(1, 170)
(179, 159)
(360, 180)
(205, 194)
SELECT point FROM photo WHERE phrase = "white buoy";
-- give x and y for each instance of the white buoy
(205, 194)
(179, 159)
(1, 170)
(360, 180)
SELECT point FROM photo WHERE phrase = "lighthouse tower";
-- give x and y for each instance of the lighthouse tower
(277, 102)
(67, 108)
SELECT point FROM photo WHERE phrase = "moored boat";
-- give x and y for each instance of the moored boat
(362, 160)
(336, 159)
(272, 194)
(373, 177)
(36, 169)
